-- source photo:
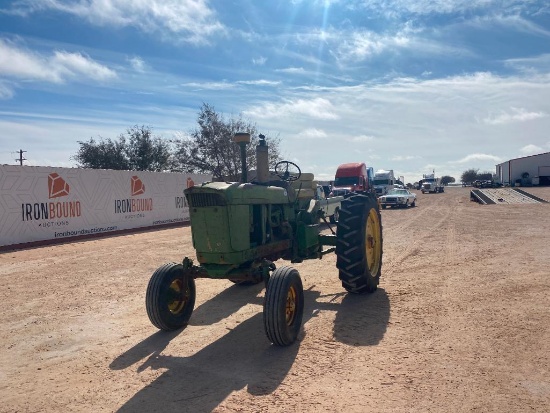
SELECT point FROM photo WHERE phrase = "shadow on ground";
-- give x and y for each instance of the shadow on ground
(243, 358)
(361, 319)
(225, 303)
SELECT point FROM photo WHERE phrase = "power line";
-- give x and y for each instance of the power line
(21, 159)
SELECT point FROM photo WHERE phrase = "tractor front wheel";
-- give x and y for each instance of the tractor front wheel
(283, 306)
(170, 297)
(359, 244)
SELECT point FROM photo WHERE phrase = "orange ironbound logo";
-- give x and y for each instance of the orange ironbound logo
(137, 186)
(57, 186)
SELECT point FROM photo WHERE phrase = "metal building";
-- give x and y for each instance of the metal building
(528, 170)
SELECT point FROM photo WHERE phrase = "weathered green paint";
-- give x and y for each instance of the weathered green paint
(308, 238)
(210, 227)
(220, 265)
(234, 226)
(245, 194)
(239, 226)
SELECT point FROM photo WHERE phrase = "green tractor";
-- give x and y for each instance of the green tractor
(240, 229)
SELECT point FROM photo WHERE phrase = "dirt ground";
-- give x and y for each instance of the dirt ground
(460, 323)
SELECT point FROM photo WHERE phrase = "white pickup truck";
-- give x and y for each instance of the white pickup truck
(330, 206)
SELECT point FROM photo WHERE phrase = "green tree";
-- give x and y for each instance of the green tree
(105, 154)
(146, 152)
(469, 176)
(446, 180)
(210, 148)
(485, 176)
(137, 150)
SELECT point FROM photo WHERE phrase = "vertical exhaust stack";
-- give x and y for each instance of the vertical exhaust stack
(262, 160)
(242, 139)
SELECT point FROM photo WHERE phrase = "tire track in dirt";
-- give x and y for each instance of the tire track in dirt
(402, 225)
(436, 216)
(450, 243)
(451, 237)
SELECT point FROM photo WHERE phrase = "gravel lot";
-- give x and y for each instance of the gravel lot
(459, 324)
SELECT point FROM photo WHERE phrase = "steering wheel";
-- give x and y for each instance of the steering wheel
(288, 171)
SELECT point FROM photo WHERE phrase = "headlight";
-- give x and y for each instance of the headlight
(400, 199)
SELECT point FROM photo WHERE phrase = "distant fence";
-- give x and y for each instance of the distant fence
(40, 204)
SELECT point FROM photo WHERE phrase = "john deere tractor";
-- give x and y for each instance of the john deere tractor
(240, 229)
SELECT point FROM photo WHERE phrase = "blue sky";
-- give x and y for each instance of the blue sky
(405, 85)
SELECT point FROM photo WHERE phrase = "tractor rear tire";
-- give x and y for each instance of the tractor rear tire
(283, 306)
(170, 297)
(359, 244)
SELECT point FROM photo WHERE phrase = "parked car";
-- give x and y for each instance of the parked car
(398, 198)
(486, 184)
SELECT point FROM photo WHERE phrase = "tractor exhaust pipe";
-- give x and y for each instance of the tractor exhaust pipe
(242, 139)
(262, 160)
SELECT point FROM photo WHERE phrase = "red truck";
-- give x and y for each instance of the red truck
(354, 177)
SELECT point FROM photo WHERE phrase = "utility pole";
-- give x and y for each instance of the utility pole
(21, 159)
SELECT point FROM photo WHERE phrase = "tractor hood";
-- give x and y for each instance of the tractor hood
(235, 193)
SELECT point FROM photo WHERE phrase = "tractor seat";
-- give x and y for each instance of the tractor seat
(305, 187)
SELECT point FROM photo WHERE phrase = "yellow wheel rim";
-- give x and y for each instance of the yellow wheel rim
(177, 297)
(290, 306)
(373, 242)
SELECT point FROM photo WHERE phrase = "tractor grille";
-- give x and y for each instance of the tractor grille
(205, 200)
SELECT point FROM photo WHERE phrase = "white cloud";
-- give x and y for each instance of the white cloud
(515, 115)
(76, 65)
(531, 150)
(24, 64)
(318, 108)
(403, 158)
(361, 138)
(192, 21)
(356, 45)
(363, 45)
(512, 21)
(294, 70)
(27, 65)
(260, 61)
(261, 82)
(478, 157)
(425, 7)
(137, 64)
(6, 92)
(312, 133)
(438, 121)
(209, 85)
(531, 64)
